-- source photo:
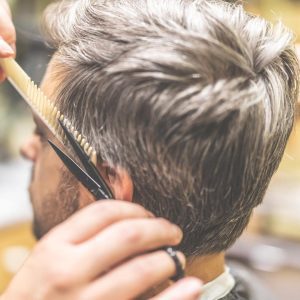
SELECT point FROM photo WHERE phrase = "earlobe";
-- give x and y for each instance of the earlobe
(121, 184)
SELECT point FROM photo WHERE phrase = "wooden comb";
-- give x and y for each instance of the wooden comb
(42, 106)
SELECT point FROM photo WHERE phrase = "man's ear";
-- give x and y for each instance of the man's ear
(119, 182)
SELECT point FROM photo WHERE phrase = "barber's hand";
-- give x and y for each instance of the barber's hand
(105, 251)
(7, 34)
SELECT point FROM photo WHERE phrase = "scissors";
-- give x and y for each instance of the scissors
(90, 177)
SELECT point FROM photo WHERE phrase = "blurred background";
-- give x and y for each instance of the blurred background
(271, 244)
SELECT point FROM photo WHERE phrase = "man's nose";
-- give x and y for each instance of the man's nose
(30, 148)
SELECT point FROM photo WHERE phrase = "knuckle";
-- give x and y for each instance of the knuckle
(105, 209)
(60, 279)
(130, 234)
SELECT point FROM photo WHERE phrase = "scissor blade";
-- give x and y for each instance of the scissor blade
(80, 174)
(85, 160)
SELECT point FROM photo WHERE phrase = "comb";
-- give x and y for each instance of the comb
(42, 106)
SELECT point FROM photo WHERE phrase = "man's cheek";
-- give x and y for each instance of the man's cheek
(48, 168)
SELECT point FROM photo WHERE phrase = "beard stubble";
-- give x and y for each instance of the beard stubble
(58, 206)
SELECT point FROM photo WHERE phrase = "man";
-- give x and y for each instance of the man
(40, 278)
(189, 105)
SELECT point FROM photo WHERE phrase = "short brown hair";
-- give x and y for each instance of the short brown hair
(195, 99)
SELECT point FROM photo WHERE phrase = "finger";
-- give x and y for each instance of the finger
(133, 277)
(4, 4)
(92, 219)
(188, 288)
(126, 239)
(7, 29)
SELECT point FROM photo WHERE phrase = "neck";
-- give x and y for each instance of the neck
(206, 268)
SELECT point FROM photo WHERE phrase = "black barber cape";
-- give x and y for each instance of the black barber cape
(247, 285)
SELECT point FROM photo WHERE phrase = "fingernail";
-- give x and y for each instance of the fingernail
(5, 49)
(13, 47)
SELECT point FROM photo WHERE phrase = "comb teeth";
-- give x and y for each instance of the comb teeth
(41, 105)
(50, 115)
(81, 140)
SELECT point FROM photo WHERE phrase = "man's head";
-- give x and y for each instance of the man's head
(193, 99)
